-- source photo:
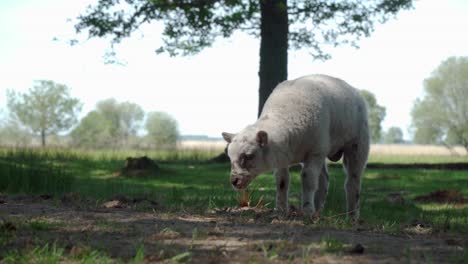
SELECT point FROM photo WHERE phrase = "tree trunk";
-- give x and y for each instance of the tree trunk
(273, 47)
(43, 135)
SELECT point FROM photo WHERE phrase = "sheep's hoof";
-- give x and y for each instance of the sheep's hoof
(312, 218)
(353, 217)
(281, 214)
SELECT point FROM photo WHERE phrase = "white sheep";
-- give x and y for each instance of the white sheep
(305, 121)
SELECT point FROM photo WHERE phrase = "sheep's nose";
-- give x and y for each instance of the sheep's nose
(235, 182)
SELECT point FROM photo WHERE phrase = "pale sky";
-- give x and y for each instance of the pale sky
(217, 90)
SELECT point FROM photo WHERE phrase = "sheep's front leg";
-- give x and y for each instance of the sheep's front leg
(310, 180)
(282, 188)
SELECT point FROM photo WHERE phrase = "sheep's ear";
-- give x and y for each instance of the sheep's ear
(228, 136)
(262, 138)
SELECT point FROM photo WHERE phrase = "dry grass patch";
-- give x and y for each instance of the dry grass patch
(427, 150)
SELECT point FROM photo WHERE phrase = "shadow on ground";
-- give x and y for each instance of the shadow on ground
(120, 233)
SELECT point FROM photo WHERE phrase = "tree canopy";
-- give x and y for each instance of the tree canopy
(191, 26)
(94, 131)
(14, 134)
(376, 115)
(162, 130)
(125, 117)
(394, 135)
(117, 124)
(45, 109)
(112, 123)
(441, 115)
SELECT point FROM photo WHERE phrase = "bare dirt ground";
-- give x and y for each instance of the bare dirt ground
(117, 228)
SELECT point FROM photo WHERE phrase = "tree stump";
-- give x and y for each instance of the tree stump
(221, 158)
(139, 166)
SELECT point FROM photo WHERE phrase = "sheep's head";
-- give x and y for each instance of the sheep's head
(247, 151)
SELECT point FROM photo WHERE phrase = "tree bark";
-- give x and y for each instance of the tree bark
(465, 144)
(273, 47)
(43, 135)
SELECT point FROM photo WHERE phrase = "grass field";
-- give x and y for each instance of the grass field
(187, 183)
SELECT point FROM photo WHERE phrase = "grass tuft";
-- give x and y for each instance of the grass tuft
(46, 254)
(331, 245)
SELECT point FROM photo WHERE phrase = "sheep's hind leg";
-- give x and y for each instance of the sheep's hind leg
(354, 162)
(321, 193)
(310, 183)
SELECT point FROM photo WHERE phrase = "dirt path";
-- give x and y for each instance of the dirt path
(235, 236)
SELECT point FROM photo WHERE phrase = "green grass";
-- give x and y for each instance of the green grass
(51, 253)
(46, 254)
(331, 245)
(40, 225)
(187, 182)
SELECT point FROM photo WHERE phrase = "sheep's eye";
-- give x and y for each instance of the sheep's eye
(249, 156)
(244, 158)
